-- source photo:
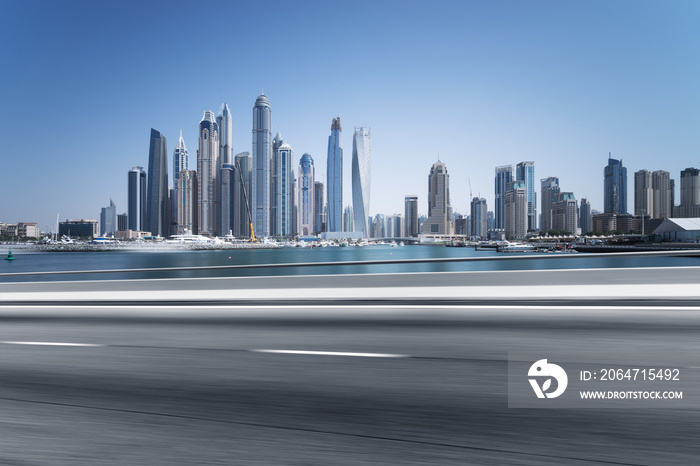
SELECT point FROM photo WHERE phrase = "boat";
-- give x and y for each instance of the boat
(516, 247)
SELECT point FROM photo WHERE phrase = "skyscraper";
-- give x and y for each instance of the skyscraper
(305, 193)
(181, 159)
(334, 178)
(108, 219)
(479, 218)
(439, 209)
(690, 194)
(282, 196)
(615, 187)
(516, 210)
(348, 219)
(207, 174)
(186, 202)
(157, 186)
(241, 192)
(504, 175)
(225, 126)
(136, 210)
(262, 155)
(361, 176)
(643, 194)
(226, 181)
(585, 221)
(319, 214)
(525, 172)
(550, 190)
(662, 188)
(564, 213)
(410, 204)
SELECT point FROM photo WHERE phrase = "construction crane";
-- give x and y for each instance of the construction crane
(470, 188)
(247, 206)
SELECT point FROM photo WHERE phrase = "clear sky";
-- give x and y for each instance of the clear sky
(477, 83)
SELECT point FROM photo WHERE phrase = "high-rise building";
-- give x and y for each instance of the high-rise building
(348, 219)
(282, 184)
(377, 226)
(122, 222)
(439, 209)
(410, 204)
(643, 194)
(585, 217)
(319, 213)
(479, 218)
(226, 181)
(108, 219)
(361, 176)
(136, 210)
(186, 202)
(550, 190)
(504, 175)
(334, 178)
(157, 193)
(690, 194)
(564, 213)
(615, 187)
(662, 187)
(181, 159)
(207, 174)
(241, 194)
(305, 196)
(262, 157)
(225, 126)
(516, 210)
(525, 172)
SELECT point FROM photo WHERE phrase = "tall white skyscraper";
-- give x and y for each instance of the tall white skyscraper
(334, 178)
(361, 178)
(262, 157)
(207, 173)
(282, 196)
(181, 159)
(525, 172)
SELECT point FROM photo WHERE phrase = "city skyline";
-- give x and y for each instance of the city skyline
(592, 79)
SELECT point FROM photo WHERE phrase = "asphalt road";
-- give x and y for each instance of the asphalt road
(191, 390)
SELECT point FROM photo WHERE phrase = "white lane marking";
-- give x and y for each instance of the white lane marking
(47, 343)
(331, 353)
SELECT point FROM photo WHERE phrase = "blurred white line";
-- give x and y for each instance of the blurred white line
(332, 353)
(46, 343)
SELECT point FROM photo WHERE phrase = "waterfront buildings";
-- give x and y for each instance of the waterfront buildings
(181, 159)
(207, 171)
(585, 216)
(478, 218)
(79, 228)
(643, 194)
(525, 172)
(690, 194)
(262, 156)
(615, 187)
(136, 210)
(516, 210)
(319, 211)
(565, 213)
(361, 178)
(305, 196)
(411, 215)
(504, 175)
(439, 209)
(282, 196)
(334, 178)
(157, 193)
(550, 190)
(241, 194)
(662, 186)
(186, 203)
(108, 219)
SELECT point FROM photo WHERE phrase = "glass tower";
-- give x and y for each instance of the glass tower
(361, 177)
(136, 210)
(157, 186)
(525, 171)
(615, 187)
(504, 175)
(305, 193)
(207, 175)
(335, 178)
(181, 159)
(262, 155)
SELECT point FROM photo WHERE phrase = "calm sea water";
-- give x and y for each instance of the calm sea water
(26, 261)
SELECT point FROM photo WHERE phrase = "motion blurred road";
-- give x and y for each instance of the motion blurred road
(378, 384)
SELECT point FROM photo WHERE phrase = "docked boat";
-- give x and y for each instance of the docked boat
(516, 247)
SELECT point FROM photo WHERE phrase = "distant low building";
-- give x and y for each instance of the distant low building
(679, 229)
(82, 227)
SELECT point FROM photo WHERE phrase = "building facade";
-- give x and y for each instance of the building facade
(504, 175)
(478, 218)
(585, 221)
(410, 205)
(282, 196)
(565, 213)
(334, 178)
(361, 178)
(108, 219)
(157, 192)
(439, 209)
(305, 196)
(525, 172)
(186, 202)
(662, 188)
(241, 195)
(136, 210)
(615, 187)
(262, 157)
(319, 209)
(550, 191)
(516, 210)
(207, 175)
(181, 159)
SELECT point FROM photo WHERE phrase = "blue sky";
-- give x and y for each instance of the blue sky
(479, 84)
